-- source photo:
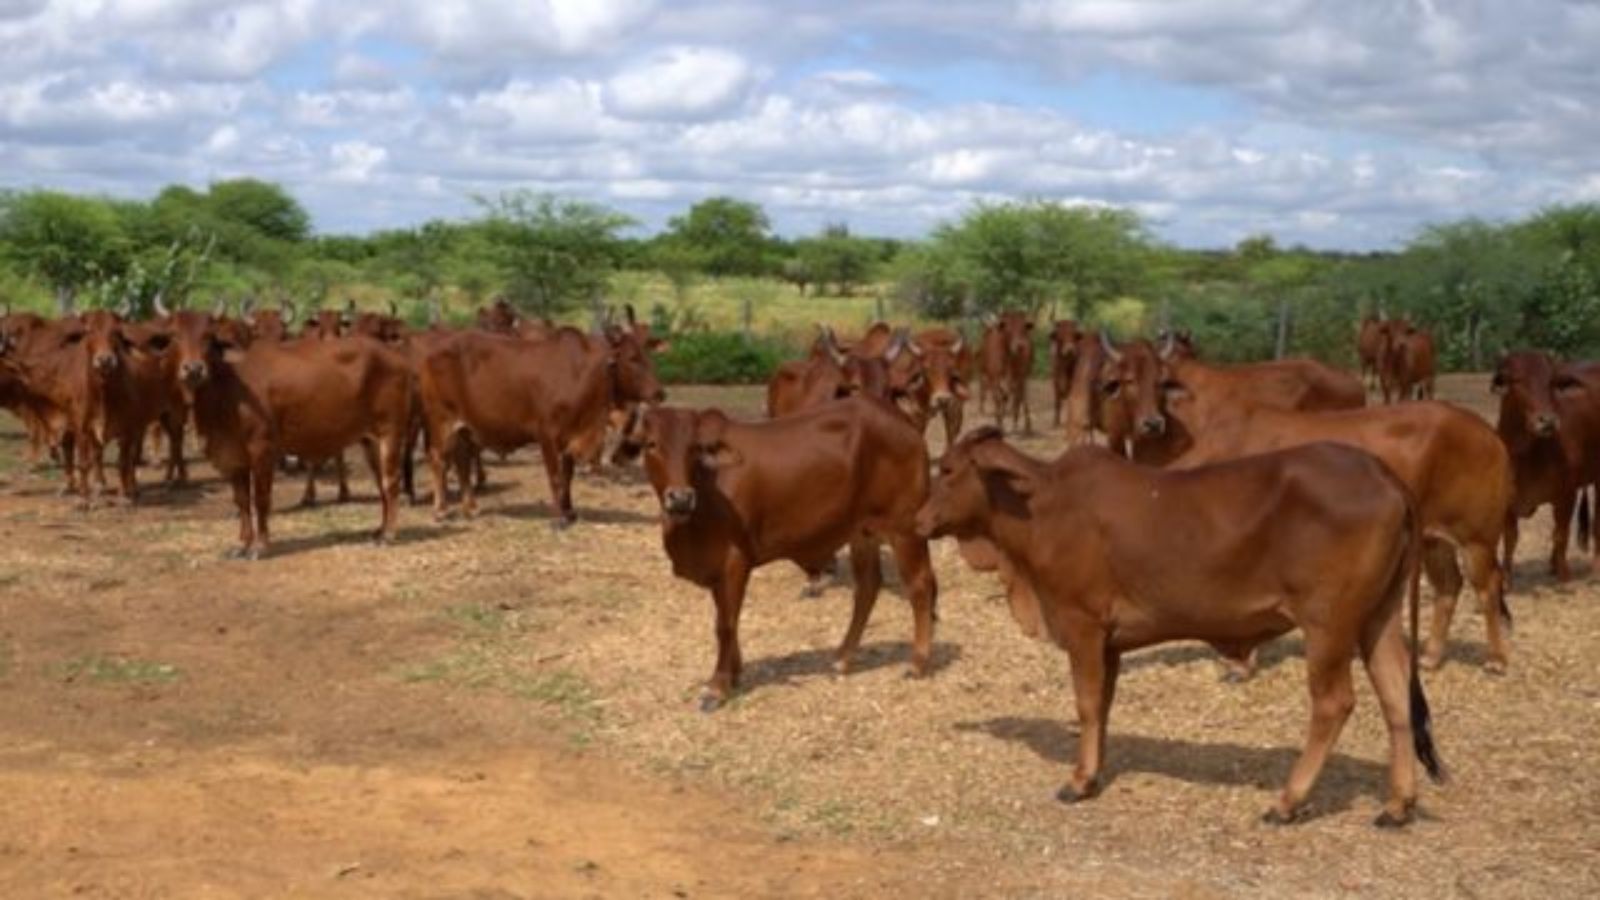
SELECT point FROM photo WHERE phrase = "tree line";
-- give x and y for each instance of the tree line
(1481, 285)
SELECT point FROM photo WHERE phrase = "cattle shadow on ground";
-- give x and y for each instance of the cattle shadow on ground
(1343, 779)
(404, 536)
(541, 509)
(1269, 655)
(1534, 575)
(791, 668)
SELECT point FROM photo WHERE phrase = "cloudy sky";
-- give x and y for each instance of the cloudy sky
(1340, 125)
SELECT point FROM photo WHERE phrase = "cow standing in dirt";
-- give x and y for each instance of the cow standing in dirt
(1005, 360)
(1322, 538)
(1405, 361)
(736, 496)
(309, 398)
(488, 391)
(1550, 422)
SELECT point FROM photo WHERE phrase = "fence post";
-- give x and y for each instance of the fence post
(877, 306)
(748, 315)
(1282, 348)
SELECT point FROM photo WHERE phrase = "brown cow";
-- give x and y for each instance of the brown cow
(830, 372)
(1005, 360)
(1321, 537)
(1550, 423)
(737, 496)
(1457, 469)
(1064, 339)
(1369, 347)
(500, 393)
(946, 360)
(1133, 385)
(1405, 361)
(309, 398)
(130, 388)
(499, 317)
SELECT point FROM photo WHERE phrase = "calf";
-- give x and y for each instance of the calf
(1369, 347)
(130, 388)
(1065, 337)
(1457, 469)
(1550, 422)
(737, 496)
(1321, 537)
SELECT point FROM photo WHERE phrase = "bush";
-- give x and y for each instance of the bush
(721, 357)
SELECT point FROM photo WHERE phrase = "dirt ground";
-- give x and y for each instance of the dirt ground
(493, 709)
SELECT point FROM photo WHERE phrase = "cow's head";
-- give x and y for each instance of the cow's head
(326, 324)
(198, 346)
(1064, 338)
(1017, 331)
(269, 325)
(1176, 343)
(498, 316)
(941, 367)
(1529, 383)
(978, 476)
(1130, 375)
(679, 447)
(633, 372)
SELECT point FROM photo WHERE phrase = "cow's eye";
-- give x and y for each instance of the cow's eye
(1111, 388)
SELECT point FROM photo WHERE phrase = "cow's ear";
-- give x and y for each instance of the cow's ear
(1027, 326)
(72, 337)
(658, 345)
(994, 461)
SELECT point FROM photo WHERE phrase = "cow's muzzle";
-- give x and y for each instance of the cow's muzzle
(193, 373)
(678, 502)
(1545, 425)
(105, 362)
(1152, 426)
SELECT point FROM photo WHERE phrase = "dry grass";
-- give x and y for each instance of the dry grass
(519, 628)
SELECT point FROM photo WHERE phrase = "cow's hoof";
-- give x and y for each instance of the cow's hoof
(1276, 816)
(1495, 667)
(811, 591)
(1234, 676)
(1430, 661)
(1387, 819)
(709, 702)
(1069, 794)
(236, 553)
(382, 538)
(563, 523)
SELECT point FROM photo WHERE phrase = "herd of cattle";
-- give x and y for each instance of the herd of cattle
(1226, 504)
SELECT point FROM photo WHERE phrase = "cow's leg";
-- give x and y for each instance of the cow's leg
(952, 422)
(379, 462)
(728, 595)
(128, 446)
(558, 467)
(1439, 561)
(1383, 650)
(343, 470)
(912, 561)
(69, 462)
(1090, 657)
(462, 458)
(1489, 583)
(1562, 510)
(1023, 409)
(479, 476)
(177, 467)
(1238, 661)
(240, 482)
(866, 567)
(439, 444)
(1508, 541)
(1332, 699)
(261, 483)
(309, 498)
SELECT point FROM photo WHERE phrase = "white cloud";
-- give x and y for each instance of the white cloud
(679, 83)
(355, 160)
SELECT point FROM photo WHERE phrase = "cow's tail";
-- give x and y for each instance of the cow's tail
(1585, 518)
(1421, 717)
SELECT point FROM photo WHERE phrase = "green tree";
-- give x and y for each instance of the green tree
(66, 241)
(837, 257)
(726, 236)
(556, 253)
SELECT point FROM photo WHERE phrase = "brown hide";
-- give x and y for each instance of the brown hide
(737, 496)
(1321, 537)
(1455, 465)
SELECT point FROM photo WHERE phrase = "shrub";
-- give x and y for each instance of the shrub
(722, 357)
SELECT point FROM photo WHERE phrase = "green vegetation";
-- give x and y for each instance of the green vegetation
(734, 298)
(115, 669)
